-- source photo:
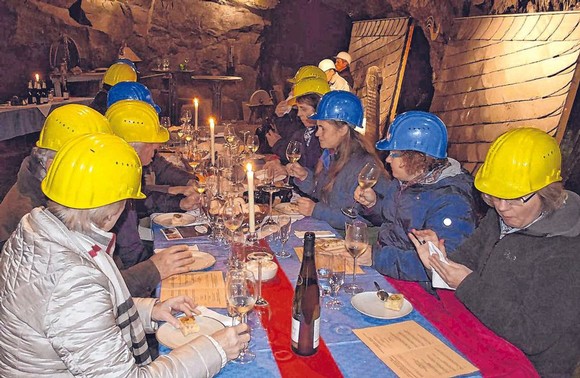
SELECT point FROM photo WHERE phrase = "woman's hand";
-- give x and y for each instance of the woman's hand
(233, 339)
(276, 166)
(173, 260)
(366, 197)
(296, 170)
(305, 206)
(419, 238)
(282, 108)
(190, 202)
(452, 272)
(165, 311)
(272, 137)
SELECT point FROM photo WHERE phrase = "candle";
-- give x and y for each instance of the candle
(196, 105)
(212, 139)
(37, 77)
(251, 209)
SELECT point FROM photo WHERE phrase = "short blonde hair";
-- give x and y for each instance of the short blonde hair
(81, 219)
(553, 196)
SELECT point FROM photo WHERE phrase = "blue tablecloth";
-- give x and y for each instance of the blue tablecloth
(353, 357)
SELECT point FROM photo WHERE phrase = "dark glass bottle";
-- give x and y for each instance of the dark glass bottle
(65, 92)
(306, 307)
(30, 92)
(43, 94)
(37, 93)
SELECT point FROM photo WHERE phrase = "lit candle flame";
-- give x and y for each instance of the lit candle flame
(249, 167)
(37, 76)
(195, 102)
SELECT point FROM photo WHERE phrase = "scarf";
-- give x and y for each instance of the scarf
(308, 133)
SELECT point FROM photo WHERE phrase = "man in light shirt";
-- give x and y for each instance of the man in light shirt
(336, 82)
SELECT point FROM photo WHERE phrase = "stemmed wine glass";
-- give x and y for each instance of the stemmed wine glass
(367, 178)
(233, 215)
(185, 116)
(252, 143)
(293, 154)
(260, 257)
(229, 134)
(285, 224)
(335, 280)
(241, 294)
(356, 242)
(271, 189)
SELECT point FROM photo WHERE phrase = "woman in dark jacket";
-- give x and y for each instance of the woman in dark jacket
(519, 273)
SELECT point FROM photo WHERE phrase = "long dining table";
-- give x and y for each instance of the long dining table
(341, 352)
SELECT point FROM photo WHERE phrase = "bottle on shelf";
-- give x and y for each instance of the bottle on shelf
(65, 92)
(306, 305)
(30, 92)
(43, 94)
(37, 93)
(230, 66)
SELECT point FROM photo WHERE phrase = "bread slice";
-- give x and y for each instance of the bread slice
(394, 302)
(188, 325)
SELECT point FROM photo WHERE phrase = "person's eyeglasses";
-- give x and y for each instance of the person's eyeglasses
(490, 200)
(394, 154)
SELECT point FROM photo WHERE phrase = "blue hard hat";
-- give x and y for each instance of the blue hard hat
(416, 131)
(340, 106)
(128, 62)
(130, 90)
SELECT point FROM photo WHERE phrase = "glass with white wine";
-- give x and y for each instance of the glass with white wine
(356, 242)
(367, 178)
(252, 143)
(242, 293)
(293, 154)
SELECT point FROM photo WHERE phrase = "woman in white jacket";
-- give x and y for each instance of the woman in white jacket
(64, 308)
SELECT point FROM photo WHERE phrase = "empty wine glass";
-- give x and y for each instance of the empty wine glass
(260, 257)
(324, 270)
(270, 188)
(285, 224)
(336, 280)
(241, 291)
(185, 116)
(233, 216)
(356, 241)
(293, 154)
(367, 178)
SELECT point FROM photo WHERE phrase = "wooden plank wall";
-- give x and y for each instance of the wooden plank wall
(377, 46)
(504, 72)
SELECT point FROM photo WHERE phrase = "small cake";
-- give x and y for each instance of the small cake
(176, 219)
(188, 325)
(394, 302)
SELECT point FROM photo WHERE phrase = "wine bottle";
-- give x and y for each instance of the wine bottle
(65, 92)
(306, 305)
(30, 93)
(37, 93)
(43, 94)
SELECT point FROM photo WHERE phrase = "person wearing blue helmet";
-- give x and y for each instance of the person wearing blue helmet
(332, 182)
(130, 90)
(429, 191)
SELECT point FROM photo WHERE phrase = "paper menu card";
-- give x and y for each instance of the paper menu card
(413, 352)
(206, 288)
(349, 260)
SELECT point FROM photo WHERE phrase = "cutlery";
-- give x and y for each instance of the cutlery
(382, 294)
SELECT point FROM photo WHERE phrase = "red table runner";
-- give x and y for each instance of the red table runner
(494, 356)
(278, 323)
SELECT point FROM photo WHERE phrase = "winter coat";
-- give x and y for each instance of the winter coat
(346, 75)
(286, 126)
(446, 206)
(57, 314)
(342, 192)
(310, 154)
(22, 197)
(525, 286)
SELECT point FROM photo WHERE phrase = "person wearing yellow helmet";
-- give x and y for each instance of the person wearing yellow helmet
(138, 124)
(519, 272)
(62, 295)
(118, 72)
(61, 125)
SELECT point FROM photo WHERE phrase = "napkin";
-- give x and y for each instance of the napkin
(226, 320)
(318, 234)
(436, 279)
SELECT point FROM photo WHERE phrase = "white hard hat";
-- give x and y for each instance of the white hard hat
(344, 56)
(326, 65)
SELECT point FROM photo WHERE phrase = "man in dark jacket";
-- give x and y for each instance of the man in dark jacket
(342, 63)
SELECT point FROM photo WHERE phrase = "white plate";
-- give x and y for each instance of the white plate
(173, 338)
(288, 208)
(168, 219)
(202, 261)
(369, 304)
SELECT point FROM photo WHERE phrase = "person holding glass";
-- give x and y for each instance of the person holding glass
(429, 190)
(519, 273)
(64, 309)
(334, 179)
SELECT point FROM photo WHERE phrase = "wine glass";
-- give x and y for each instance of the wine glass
(260, 257)
(185, 116)
(241, 291)
(252, 143)
(285, 224)
(336, 279)
(233, 216)
(270, 188)
(324, 270)
(194, 157)
(229, 133)
(367, 178)
(293, 154)
(356, 242)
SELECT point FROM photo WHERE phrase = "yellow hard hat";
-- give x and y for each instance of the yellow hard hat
(519, 162)
(305, 72)
(119, 72)
(93, 170)
(136, 121)
(307, 86)
(68, 122)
